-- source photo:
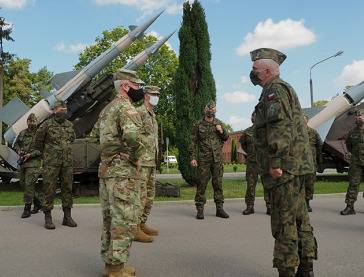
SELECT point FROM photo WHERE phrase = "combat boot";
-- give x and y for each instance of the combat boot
(140, 236)
(269, 210)
(200, 214)
(149, 231)
(249, 210)
(305, 269)
(26, 213)
(48, 221)
(286, 272)
(309, 209)
(348, 210)
(221, 213)
(37, 206)
(67, 219)
(126, 269)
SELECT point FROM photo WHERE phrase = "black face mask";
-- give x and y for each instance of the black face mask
(136, 94)
(210, 114)
(60, 117)
(254, 78)
(32, 125)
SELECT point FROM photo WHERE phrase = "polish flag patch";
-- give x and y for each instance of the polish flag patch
(271, 96)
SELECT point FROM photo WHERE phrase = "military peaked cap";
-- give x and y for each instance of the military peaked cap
(125, 74)
(152, 89)
(268, 53)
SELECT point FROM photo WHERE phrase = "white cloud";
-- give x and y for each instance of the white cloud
(147, 6)
(13, 4)
(352, 74)
(282, 35)
(239, 123)
(237, 97)
(71, 48)
(244, 79)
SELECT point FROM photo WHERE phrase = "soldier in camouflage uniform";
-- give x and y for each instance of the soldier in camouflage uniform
(355, 145)
(53, 142)
(247, 143)
(284, 158)
(316, 146)
(148, 162)
(208, 137)
(30, 164)
(121, 148)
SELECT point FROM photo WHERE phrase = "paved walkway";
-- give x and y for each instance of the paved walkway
(239, 246)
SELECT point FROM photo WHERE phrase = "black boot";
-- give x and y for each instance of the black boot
(37, 206)
(348, 210)
(269, 211)
(249, 210)
(286, 272)
(309, 209)
(200, 214)
(305, 269)
(48, 221)
(67, 219)
(26, 213)
(221, 213)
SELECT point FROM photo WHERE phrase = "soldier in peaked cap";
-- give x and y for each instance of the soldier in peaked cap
(208, 137)
(284, 158)
(355, 145)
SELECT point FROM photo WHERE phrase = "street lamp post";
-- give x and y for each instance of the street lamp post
(311, 85)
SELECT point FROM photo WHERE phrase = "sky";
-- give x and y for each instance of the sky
(53, 33)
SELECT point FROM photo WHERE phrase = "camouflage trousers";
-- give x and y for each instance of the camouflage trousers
(251, 184)
(309, 185)
(147, 192)
(355, 172)
(290, 223)
(206, 171)
(33, 190)
(120, 204)
(51, 176)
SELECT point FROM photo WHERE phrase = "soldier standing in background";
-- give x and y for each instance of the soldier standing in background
(53, 141)
(30, 167)
(355, 145)
(316, 148)
(208, 137)
(148, 162)
(247, 143)
(121, 148)
(284, 158)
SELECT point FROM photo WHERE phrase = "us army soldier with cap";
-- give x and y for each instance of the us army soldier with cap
(208, 137)
(149, 137)
(53, 140)
(284, 158)
(121, 147)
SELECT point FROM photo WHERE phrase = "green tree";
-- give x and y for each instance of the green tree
(194, 83)
(234, 151)
(320, 103)
(158, 70)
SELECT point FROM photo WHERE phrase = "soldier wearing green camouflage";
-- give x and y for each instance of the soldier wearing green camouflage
(30, 167)
(284, 158)
(149, 137)
(208, 137)
(53, 141)
(355, 145)
(251, 175)
(121, 147)
(316, 146)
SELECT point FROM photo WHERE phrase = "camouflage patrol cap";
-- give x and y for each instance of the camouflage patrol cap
(59, 103)
(152, 89)
(125, 74)
(268, 53)
(359, 112)
(210, 105)
(32, 117)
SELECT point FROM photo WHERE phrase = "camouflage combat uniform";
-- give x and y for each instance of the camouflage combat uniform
(206, 148)
(355, 145)
(148, 161)
(247, 143)
(315, 145)
(31, 169)
(121, 147)
(53, 140)
(282, 142)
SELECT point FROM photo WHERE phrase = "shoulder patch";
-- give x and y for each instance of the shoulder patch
(271, 96)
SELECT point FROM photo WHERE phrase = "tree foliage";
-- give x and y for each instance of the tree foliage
(194, 83)
(158, 70)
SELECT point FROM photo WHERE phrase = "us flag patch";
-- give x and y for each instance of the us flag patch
(271, 96)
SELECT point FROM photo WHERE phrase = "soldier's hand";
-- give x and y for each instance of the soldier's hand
(194, 163)
(219, 129)
(275, 172)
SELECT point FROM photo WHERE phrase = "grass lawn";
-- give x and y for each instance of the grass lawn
(233, 188)
(227, 169)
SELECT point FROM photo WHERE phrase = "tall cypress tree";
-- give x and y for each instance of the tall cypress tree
(194, 83)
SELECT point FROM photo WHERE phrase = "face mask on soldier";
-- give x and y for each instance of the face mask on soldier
(254, 78)
(153, 100)
(136, 94)
(210, 113)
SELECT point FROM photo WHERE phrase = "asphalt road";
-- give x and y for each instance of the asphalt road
(239, 246)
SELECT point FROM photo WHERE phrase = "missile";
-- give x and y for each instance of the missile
(43, 109)
(143, 56)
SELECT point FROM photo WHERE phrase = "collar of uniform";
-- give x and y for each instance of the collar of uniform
(123, 97)
(271, 81)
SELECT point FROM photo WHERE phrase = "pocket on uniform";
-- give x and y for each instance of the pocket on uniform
(126, 190)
